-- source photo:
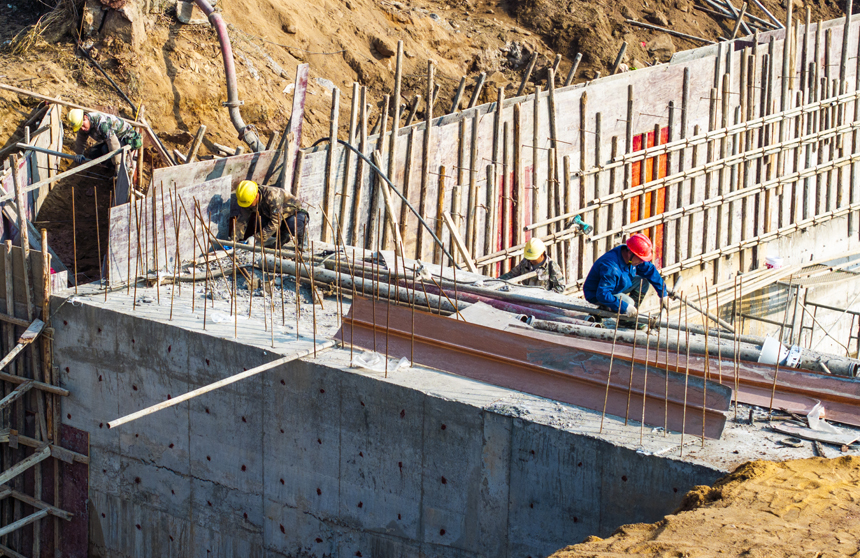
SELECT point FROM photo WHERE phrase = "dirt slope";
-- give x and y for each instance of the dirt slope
(176, 72)
(807, 507)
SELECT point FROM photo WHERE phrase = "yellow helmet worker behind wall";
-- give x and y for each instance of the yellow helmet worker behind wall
(246, 193)
(75, 119)
(534, 249)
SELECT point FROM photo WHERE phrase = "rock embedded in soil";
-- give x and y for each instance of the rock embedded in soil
(384, 46)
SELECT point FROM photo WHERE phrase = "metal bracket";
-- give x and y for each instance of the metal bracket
(232, 104)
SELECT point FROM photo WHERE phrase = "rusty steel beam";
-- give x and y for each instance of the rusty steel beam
(536, 366)
(797, 390)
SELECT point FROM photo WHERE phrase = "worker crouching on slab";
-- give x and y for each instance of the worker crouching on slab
(276, 208)
(548, 274)
(621, 277)
(110, 133)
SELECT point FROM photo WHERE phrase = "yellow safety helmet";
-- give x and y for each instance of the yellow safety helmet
(75, 119)
(246, 193)
(534, 249)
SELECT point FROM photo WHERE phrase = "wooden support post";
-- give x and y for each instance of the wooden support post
(476, 93)
(395, 128)
(377, 227)
(192, 151)
(518, 187)
(389, 209)
(440, 208)
(346, 223)
(490, 224)
(498, 115)
(425, 160)
(628, 148)
(572, 73)
(618, 59)
(455, 103)
(472, 204)
(507, 194)
(407, 173)
(527, 74)
(598, 190)
(458, 242)
(359, 178)
(536, 205)
(331, 159)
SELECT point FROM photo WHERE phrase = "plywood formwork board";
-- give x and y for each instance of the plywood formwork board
(59, 279)
(214, 197)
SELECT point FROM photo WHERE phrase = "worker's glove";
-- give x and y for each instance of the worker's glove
(251, 241)
(632, 312)
(542, 274)
(79, 159)
(665, 302)
(672, 294)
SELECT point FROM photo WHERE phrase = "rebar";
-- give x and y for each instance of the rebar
(645, 381)
(74, 239)
(609, 374)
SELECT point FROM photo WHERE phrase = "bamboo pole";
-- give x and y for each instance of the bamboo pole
(347, 225)
(425, 159)
(331, 170)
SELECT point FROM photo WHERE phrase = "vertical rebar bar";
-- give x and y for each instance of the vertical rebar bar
(645, 379)
(737, 342)
(705, 323)
(686, 371)
(235, 288)
(313, 299)
(632, 367)
(779, 348)
(74, 239)
(98, 236)
(611, 361)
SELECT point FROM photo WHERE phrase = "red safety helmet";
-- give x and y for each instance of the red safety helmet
(640, 245)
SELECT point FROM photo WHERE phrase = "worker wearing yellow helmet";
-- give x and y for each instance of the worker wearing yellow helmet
(110, 133)
(547, 273)
(277, 209)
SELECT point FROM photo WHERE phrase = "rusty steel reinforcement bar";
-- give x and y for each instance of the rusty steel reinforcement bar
(810, 361)
(533, 365)
(797, 390)
(367, 286)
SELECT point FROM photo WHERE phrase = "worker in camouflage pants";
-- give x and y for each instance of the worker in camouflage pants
(109, 131)
(277, 210)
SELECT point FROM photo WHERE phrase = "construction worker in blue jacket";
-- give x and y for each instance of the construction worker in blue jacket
(620, 278)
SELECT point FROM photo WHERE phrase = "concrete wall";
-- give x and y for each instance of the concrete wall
(312, 460)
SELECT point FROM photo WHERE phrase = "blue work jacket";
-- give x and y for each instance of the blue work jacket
(611, 275)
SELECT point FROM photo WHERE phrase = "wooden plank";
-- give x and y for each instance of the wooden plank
(23, 522)
(15, 470)
(16, 393)
(425, 160)
(297, 118)
(458, 242)
(38, 504)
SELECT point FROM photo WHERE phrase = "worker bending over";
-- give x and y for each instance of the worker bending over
(621, 276)
(276, 208)
(548, 274)
(109, 131)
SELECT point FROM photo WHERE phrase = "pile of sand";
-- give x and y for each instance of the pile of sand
(808, 507)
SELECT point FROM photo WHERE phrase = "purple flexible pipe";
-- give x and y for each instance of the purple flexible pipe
(246, 132)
